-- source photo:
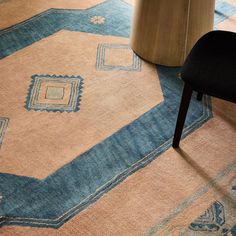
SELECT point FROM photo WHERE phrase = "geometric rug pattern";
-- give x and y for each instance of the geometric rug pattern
(103, 62)
(109, 69)
(218, 219)
(211, 220)
(54, 93)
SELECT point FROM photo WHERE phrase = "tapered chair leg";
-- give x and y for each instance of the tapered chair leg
(199, 96)
(186, 97)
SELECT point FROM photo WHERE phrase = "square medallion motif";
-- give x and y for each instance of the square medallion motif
(117, 57)
(3, 126)
(54, 93)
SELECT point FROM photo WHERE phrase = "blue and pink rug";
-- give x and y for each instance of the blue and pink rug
(80, 112)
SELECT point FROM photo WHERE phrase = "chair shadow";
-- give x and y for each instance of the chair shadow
(204, 175)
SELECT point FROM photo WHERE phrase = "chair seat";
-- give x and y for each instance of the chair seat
(211, 65)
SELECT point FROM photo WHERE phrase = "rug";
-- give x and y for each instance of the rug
(81, 116)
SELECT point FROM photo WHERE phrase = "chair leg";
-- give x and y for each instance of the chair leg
(199, 96)
(186, 97)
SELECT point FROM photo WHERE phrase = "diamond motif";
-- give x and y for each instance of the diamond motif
(117, 57)
(54, 93)
(211, 220)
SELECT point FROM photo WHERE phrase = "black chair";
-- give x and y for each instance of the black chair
(210, 69)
